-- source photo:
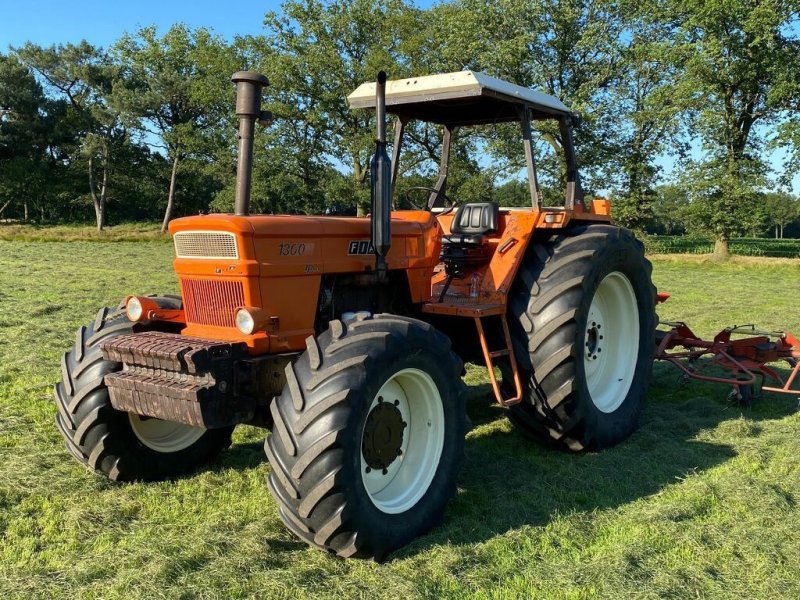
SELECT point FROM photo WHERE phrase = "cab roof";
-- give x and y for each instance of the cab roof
(460, 98)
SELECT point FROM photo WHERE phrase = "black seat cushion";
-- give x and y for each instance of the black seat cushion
(471, 222)
(465, 244)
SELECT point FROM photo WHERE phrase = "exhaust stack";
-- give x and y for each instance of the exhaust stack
(248, 109)
(380, 169)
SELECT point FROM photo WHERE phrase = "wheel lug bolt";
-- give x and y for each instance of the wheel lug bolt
(385, 471)
(380, 399)
(397, 402)
(368, 470)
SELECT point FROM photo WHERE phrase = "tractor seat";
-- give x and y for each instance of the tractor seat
(465, 243)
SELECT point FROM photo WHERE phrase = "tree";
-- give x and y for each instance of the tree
(178, 88)
(739, 57)
(669, 208)
(780, 209)
(23, 143)
(570, 49)
(648, 98)
(84, 77)
(724, 202)
(318, 53)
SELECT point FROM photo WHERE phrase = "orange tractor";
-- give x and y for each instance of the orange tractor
(347, 336)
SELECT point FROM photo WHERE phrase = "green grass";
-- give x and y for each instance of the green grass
(126, 232)
(702, 501)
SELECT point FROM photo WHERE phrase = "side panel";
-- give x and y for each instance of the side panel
(515, 230)
(294, 252)
(493, 279)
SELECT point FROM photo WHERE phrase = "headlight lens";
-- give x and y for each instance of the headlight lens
(245, 321)
(134, 309)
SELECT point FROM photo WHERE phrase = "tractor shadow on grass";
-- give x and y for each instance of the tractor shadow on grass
(241, 456)
(509, 482)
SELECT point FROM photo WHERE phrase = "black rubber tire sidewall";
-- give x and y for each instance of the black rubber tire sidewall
(109, 445)
(319, 420)
(610, 428)
(396, 530)
(548, 311)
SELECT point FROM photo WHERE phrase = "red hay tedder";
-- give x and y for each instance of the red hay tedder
(744, 358)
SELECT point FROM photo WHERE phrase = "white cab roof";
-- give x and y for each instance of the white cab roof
(476, 98)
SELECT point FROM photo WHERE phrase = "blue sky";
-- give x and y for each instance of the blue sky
(102, 22)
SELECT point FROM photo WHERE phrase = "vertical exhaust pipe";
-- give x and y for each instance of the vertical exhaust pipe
(380, 176)
(248, 109)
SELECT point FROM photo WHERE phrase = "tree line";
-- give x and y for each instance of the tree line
(145, 129)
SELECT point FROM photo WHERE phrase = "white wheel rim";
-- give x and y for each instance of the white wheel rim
(164, 436)
(406, 479)
(611, 347)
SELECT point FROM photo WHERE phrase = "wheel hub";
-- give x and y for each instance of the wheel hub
(383, 435)
(593, 340)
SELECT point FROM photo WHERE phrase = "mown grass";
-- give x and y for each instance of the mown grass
(702, 501)
(126, 232)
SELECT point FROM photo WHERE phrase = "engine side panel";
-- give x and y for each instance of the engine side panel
(281, 262)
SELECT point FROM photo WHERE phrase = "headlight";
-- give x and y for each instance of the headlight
(140, 308)
(245, 321)
(134, 308)
(250, 319)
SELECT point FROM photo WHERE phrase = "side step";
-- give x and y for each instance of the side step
(489, 355)
(465, 307)
(179, 378)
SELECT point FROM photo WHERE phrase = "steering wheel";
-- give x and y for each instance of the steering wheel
(449, 201)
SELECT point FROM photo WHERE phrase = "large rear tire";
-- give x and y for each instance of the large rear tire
(116, 444)
(369, 436)
(582, 318)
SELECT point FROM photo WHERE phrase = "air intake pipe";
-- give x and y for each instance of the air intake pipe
(380, 169)
(248, 109)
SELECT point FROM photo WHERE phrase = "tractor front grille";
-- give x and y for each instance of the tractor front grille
(205, 244)
(212, 301)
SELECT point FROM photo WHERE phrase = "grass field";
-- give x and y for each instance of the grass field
(74, 232)
(702, 501)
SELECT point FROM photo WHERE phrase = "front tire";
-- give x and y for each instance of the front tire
(116, 444)
(369, 436)
(582, 318)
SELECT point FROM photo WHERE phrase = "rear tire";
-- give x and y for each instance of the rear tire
(576, 397)
(116, 444)
(368, 436)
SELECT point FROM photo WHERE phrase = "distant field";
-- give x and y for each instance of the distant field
(674, 244)
(702, 501)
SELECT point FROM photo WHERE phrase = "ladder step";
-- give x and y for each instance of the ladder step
(498, 353)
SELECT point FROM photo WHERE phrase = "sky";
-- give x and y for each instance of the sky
(102, 22)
